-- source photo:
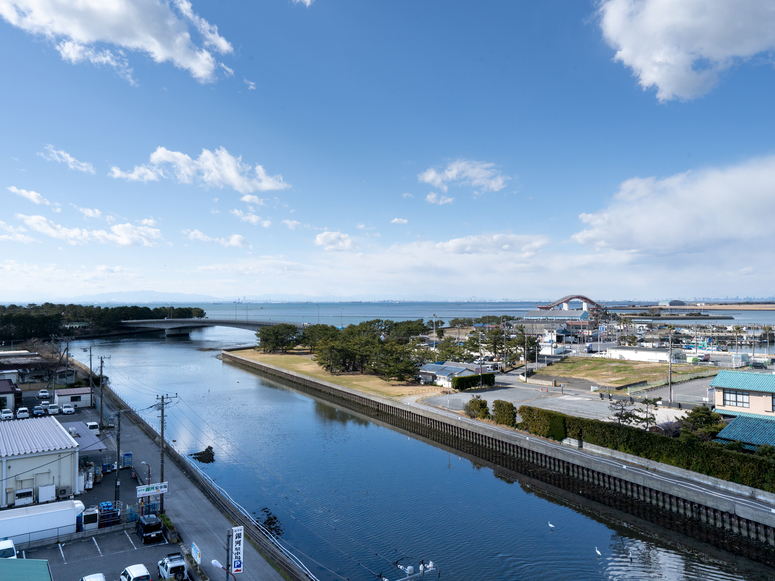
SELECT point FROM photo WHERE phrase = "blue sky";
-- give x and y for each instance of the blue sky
(347, 149)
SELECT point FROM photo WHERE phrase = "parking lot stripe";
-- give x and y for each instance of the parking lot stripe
(62, 553)
(130, 539)
(96, 545)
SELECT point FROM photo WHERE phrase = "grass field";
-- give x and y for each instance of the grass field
(366, 383)
(614, 372)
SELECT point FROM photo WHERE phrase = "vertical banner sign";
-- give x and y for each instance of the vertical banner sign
(237, 537)
(196, 554)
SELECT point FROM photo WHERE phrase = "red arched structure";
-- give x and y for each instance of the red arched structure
(589, 304)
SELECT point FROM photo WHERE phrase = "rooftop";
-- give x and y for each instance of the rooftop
(33, 435)
(745, 380)
(749, 430)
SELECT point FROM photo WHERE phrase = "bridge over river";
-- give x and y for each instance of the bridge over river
(185, 326)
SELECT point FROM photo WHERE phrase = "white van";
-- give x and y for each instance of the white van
(94, 428)
(7, 550)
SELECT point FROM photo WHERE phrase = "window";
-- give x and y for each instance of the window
(773, 404)
(75, 398)
(736, 398)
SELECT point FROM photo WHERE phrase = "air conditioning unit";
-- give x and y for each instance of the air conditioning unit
(64, 491)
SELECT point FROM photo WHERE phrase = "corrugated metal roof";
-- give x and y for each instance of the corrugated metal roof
(749, 430)
(33, 435)
(28, 569)
(744, 380)
(73, 391)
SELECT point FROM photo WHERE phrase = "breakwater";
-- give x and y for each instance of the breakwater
(733, 517)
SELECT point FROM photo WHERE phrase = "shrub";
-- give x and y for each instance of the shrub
(504, 412)
(472, 381)
(688, 452)
(477, 408)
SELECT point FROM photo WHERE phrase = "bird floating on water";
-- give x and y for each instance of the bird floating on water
(551, 526)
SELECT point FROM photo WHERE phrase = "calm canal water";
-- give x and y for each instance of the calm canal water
(353, 496)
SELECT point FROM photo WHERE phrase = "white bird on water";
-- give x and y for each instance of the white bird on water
(599, 554)
(551, 526)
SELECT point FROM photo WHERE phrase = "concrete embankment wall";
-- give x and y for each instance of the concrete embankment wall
(695, 510)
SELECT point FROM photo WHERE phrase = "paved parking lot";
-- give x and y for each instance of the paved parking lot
(108, 554)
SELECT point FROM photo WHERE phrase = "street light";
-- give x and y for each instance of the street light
(217, 563)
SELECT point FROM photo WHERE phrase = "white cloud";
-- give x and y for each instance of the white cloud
(292, 224)
(251, 199)
(33, 197)
(89, 212)
(212, 168)
(229, 72)
(74, 52)
(234, 240)
(495, 244)
(251, 85)
(399, 221)
(407, 195)
(128, 235)
(361, 226)
(334, 241)
(681, 46)
(306, 3)
(148, 222)
(465, 172)
(252, 218)
(146, 26)
(434, 198)
(120, 234)
(62, 156)
(703, 213)
(10, 233)
(140, 173)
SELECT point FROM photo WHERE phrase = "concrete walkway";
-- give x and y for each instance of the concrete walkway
(190, 511)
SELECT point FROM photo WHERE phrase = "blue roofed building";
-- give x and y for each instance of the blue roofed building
(740, 392)
(442, 374)
(751, 429)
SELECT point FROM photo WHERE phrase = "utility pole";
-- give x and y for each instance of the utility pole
(118, 455)
(670, 363)
(481, 377)
(91, 379)
(164, 401)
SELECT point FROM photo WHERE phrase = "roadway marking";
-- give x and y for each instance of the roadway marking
(130, 539)
(96, 545)
(62, 553)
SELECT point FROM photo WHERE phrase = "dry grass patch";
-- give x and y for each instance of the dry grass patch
(367, 383)
(614, 372)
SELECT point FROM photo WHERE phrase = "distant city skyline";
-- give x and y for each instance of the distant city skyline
(387, 150)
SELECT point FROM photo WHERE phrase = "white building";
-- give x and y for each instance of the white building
(78, 397)
(38, 460)
(645, 354)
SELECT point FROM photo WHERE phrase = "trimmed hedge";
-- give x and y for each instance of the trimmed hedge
(504, 413)
(472, 381)
(477, 408)
(691, 454)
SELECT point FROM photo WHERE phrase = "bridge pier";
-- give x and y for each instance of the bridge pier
(178, 331)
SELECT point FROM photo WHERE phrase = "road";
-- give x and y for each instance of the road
(582, 456)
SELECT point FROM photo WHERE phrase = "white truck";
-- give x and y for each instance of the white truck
(40, 521)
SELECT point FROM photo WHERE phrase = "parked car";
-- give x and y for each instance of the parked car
(52, 409)
(6, 414)
(135, 573)
(173, 566)
(93, 577)
(22, 413)
(68, 409)
(44, 404)
(149, 528)
(43, 394)
(7, 550)
(38, 411)
(94, 428)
